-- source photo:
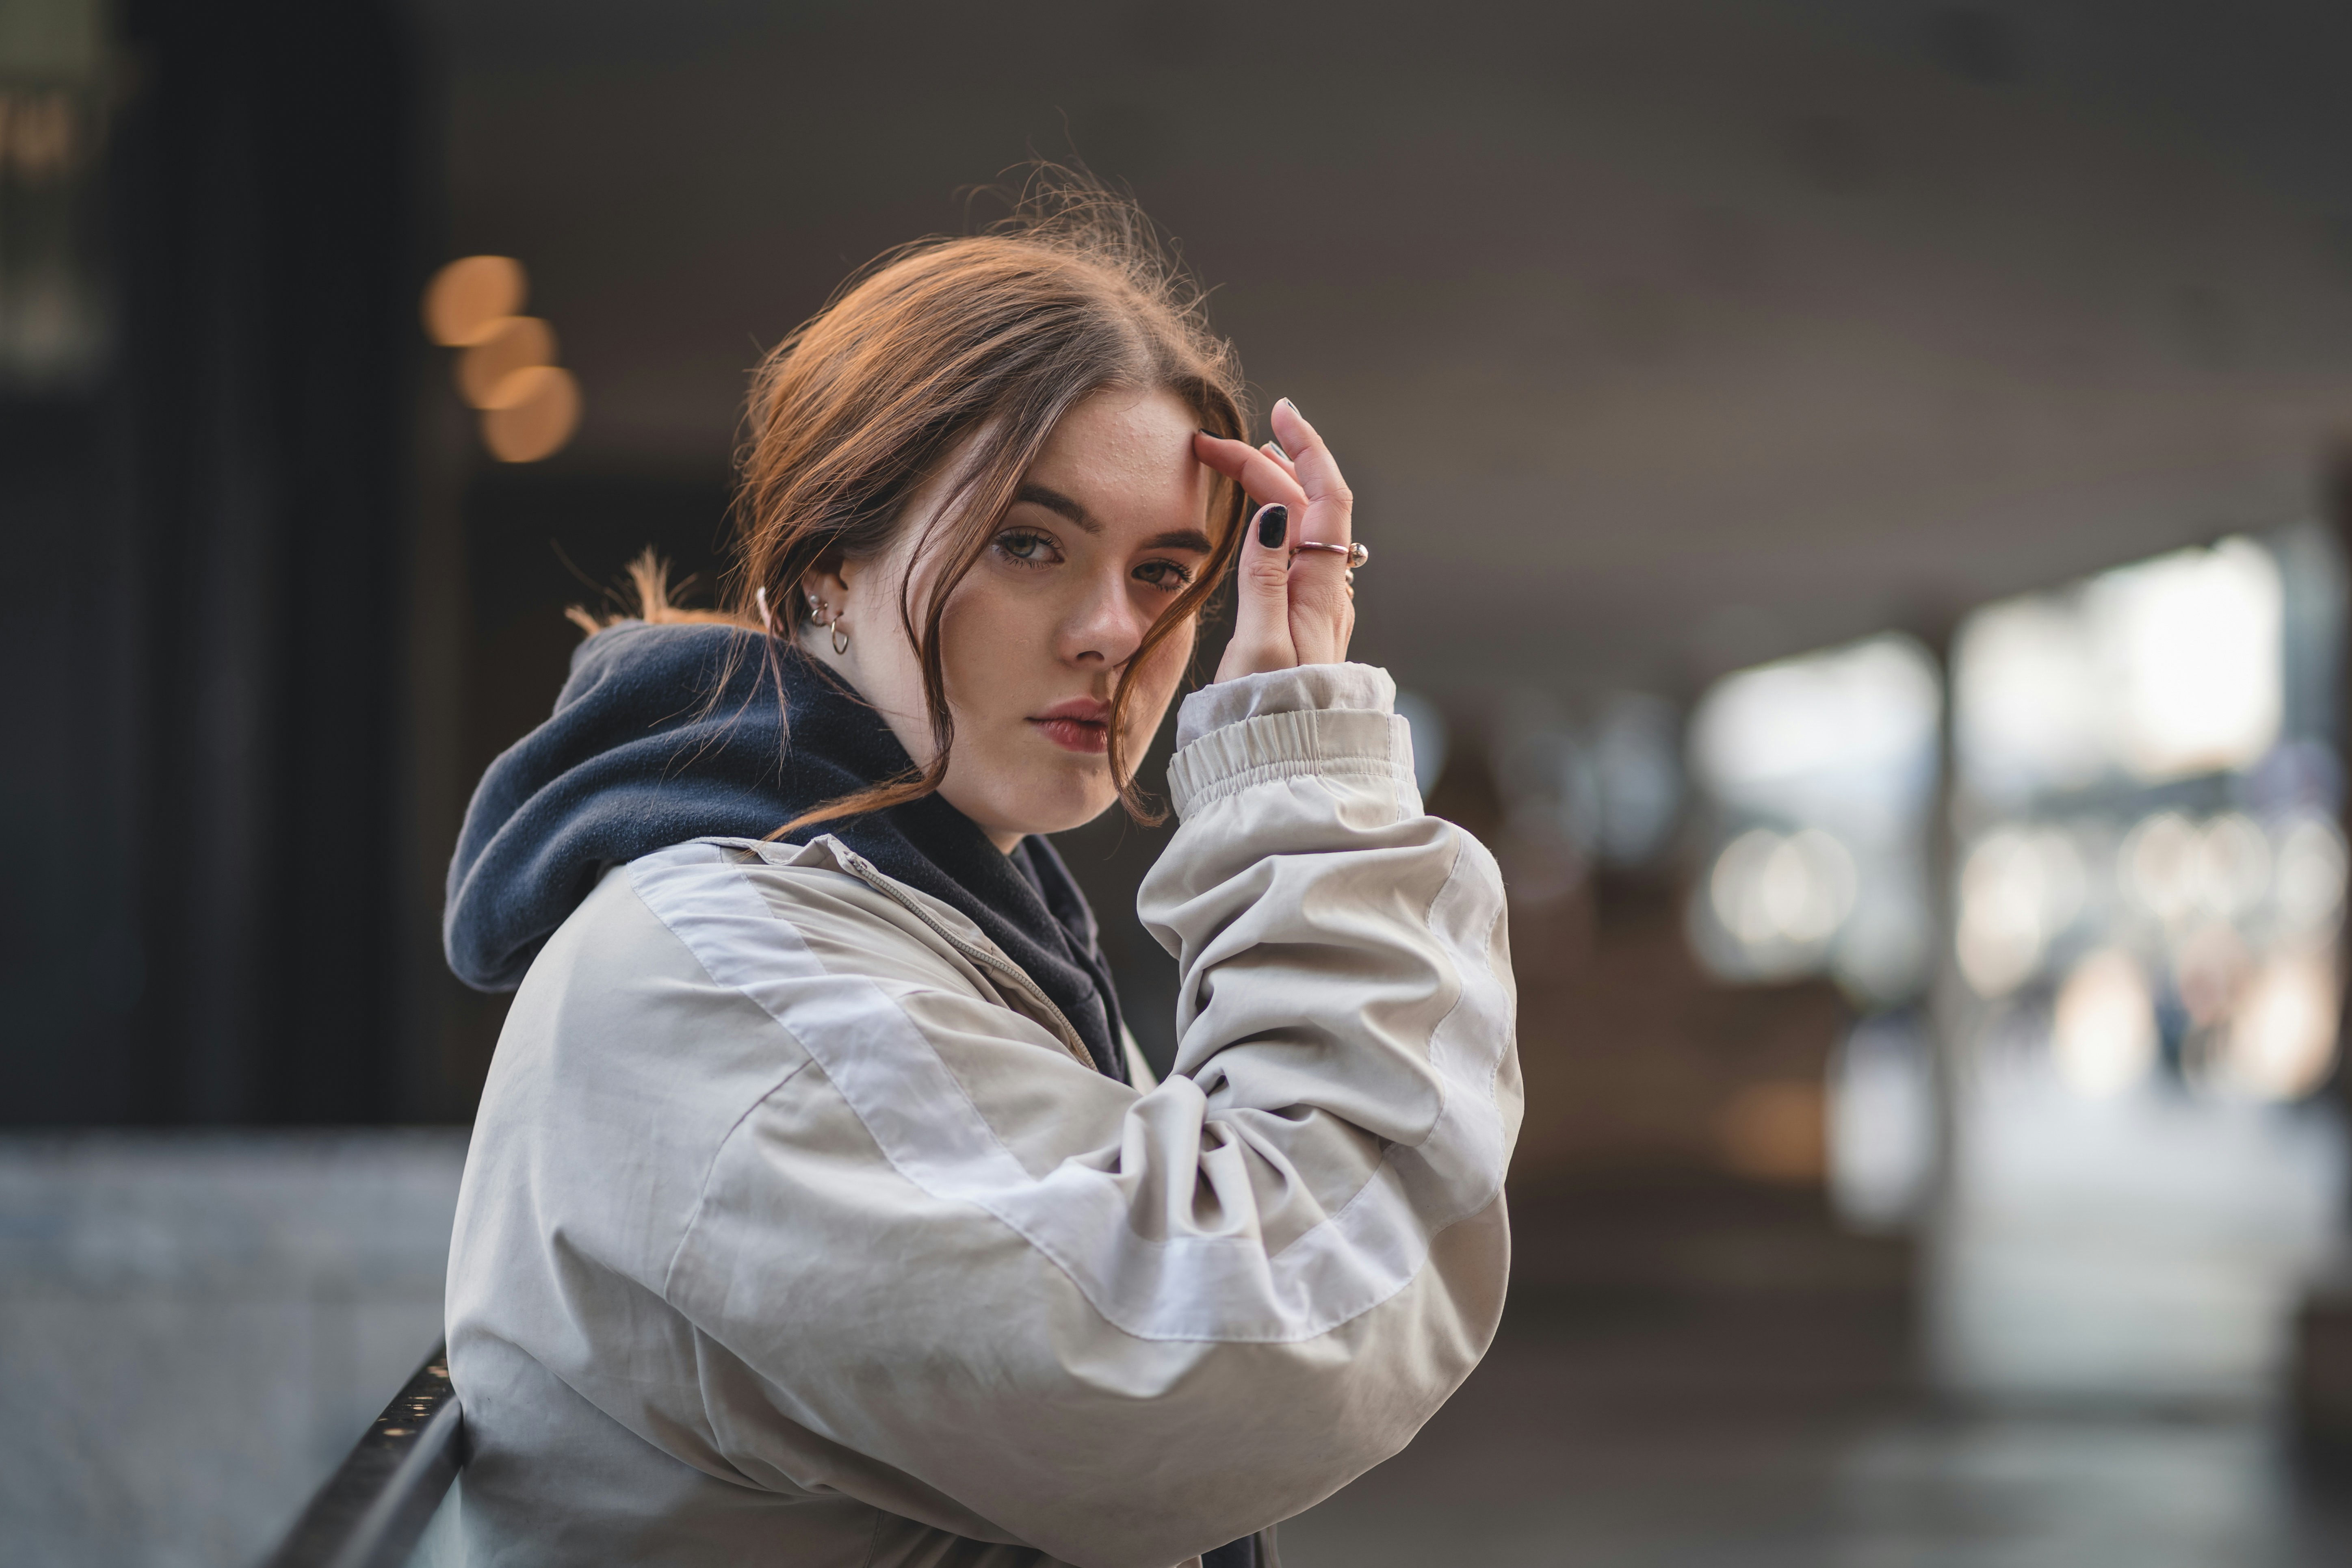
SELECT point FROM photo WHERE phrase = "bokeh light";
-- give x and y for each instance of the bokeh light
(1821, 771)
(2019, 888)
(2282, 1040)
(2162, 867)
(2194, 659)
(1883, 1132)
(513, 343)
(467, 298)
(2162, 670)
(538, 410)
(2103, 1034)
(1824, 716)
(1775, 1131)
(1795, 890)
(2308, 884)
(2025, 699)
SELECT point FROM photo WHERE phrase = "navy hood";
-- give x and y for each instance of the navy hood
(670, 732)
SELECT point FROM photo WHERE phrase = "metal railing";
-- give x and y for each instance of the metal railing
(377, 1503)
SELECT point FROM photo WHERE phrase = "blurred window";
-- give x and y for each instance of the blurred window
(1820, 774)
(54, 94)
(2163, 671)
(2149, 870)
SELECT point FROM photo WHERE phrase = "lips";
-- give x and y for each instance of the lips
(1081, 724)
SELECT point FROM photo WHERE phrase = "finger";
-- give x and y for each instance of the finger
(1321, 615)
(1260, 477)
(1262, 609)
(1330, 505)
(1222, 452)
(1273, 449)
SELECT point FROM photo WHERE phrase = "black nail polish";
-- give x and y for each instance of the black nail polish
(1274, 526)
(1212, 434)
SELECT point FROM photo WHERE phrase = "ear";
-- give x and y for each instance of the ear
(827, 580)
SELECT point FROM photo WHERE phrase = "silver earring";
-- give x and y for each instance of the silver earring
(816, 616)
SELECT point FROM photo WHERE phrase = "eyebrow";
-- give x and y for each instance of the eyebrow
(1055, 500)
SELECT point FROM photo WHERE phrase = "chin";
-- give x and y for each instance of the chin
(1031, 786)
(1059, 800)
(1059, 813)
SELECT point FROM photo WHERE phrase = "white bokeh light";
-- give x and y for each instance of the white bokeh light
(1772, 890)
(2025, 699)
(2192, 655)
(1871, 706)
(2019, 888)
(2103, 1032)
(2281, 1038)
(2308, 879)
(2168, 669)
(1822, 769)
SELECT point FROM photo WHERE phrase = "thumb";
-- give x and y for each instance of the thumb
(1262, 599)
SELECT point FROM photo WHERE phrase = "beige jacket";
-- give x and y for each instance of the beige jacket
(797, 1231)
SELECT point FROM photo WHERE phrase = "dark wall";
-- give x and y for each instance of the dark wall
(209, 544)
(538, 539)
(73, 955)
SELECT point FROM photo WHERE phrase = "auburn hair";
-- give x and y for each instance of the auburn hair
(989, 339)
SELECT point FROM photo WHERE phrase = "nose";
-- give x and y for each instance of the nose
(1104, 627)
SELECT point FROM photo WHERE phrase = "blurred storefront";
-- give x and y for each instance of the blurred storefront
(2144, 994)
(2091, 963)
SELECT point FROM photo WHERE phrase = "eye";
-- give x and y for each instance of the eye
(1027, 547)
(1169, 576)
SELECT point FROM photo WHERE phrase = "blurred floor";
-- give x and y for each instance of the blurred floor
(1716, 1376)
(2154, 1244)
(194, 1329)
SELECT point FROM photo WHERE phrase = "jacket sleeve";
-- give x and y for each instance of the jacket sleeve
(1124, 1327)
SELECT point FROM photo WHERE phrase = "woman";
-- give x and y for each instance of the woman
(820, 1210)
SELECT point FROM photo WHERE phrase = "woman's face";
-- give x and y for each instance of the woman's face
(1110, 525)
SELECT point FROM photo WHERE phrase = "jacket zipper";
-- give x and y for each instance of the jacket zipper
(978, 957)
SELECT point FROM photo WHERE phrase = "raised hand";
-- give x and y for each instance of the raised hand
(1292, 607)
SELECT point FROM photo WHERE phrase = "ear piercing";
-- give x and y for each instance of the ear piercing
(840, 632)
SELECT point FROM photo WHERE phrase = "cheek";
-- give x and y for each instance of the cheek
(1156, 683)
(990, 640)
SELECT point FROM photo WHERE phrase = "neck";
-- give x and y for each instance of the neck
(819, 648)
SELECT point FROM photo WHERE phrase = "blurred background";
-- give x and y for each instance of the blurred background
(1859, 516)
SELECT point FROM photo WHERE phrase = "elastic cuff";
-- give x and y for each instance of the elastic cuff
(1374, 749)
(1363, 687)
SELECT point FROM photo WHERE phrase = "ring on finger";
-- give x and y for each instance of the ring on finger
(1356, 554)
